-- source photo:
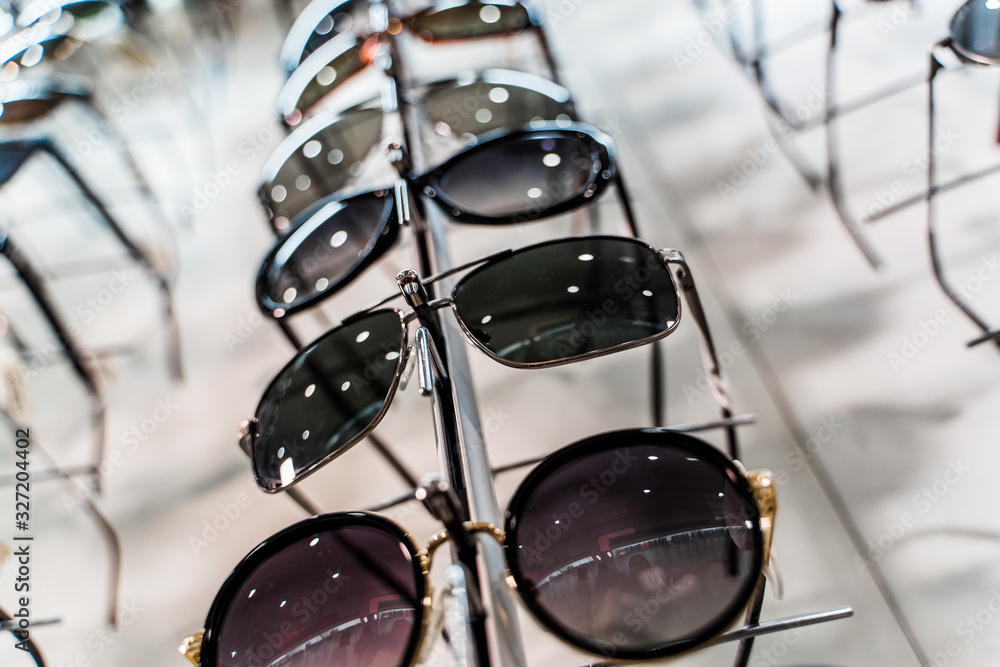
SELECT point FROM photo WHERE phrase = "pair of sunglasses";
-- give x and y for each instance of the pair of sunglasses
(345, 55)
(545, 305)
(652, 520)
(331, 151)
(506, 178)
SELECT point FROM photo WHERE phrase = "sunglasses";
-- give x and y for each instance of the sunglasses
(332, 151)
(535, 174)
(322, 20)
(545, 305)
(652, 519)
(346, 55)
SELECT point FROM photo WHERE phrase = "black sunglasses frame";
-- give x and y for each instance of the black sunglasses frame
(757, 500)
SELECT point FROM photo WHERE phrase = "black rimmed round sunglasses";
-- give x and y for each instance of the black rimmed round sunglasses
(652, 520)
(506, 178)
(544, 305)
(332, 151)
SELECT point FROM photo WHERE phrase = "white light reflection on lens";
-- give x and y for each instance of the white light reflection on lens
(338, 239)
(363, 336)
(302, 183)
(314, 542)
(305, 435)
(326, 76)
(312, 148)
(535, 193)
(310, 390)
(484, 115)
(392, 356)
(992, 4)
(646, 292)
(490, 14)
(487, 319)
(645, 490)
(322, 284)
(572, 289)
(278, 193)
(287, 472)
(335, 156)
(499, 95)
(551, 160)
(345, 386)
(586, 257)
(281, 452)
(290, 294)
(654, 458)
(251, 593)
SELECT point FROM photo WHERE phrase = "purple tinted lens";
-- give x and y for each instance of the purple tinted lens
(636, 549)
(346, 596)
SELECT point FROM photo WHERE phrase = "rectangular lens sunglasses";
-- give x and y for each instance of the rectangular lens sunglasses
(545, 305)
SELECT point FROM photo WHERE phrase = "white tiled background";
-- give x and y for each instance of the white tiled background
(853, 439)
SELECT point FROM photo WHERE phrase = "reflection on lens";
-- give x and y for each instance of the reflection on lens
(522, 183)
(975, 30)
(303, 158)
(323, 251)
(346, 595)
(471, 20)
(567, 299)
(644, 546)
(319, 404)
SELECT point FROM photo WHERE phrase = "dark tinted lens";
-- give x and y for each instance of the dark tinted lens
(341, 66)
(323, 163)
(566, 299)
(27, 110)
(470, 20)
(976, 30)
(631, 549)
(520, 177)
(343, 596)
(322, 251)
(481, 107)
(333, 390)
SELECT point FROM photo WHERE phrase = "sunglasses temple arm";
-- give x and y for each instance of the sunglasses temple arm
(33, 281)
(752, 619)
(932, 189)
(713, 369)
(626, 202)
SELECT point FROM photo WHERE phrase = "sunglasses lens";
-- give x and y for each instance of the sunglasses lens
(564, 300)
(470, 20)
(531, 174)
(322, 164)
(319, 404)
(481, 107)
(650, 547)
(976, 30)
(343, 596)
(338, 69)
(323, 251)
